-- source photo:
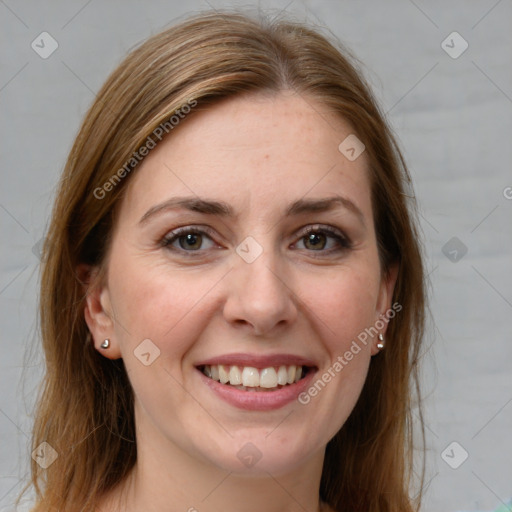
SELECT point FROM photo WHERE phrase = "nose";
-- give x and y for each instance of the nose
(259, 298)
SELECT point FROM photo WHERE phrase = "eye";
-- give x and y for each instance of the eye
(188, 239)
(323, 239)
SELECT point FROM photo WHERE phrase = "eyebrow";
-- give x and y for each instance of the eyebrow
(211, 207)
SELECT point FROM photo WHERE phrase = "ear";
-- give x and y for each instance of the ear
(98, 312)
(386, 289)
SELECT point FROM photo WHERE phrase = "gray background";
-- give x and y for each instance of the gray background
(453, 117)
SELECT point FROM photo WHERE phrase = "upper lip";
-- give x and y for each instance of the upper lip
(258, 361)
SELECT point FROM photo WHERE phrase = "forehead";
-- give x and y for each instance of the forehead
(256, 152)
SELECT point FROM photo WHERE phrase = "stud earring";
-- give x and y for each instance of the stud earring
(105, 344)
(380, 344)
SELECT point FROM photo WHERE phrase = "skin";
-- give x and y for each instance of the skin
(258, 153)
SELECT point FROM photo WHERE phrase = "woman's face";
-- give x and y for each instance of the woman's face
(245, 240)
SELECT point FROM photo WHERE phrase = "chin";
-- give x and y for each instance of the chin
(258, 454)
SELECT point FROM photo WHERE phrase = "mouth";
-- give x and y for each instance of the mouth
(251, 379)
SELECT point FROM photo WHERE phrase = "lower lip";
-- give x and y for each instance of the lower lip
(258, 400)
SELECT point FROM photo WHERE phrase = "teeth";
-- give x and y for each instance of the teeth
(249, 378)
(291, 374)
(268, 378)
(235, 376)
(282, 376)
(223, 374)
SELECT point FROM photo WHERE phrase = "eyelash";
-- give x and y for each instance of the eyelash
(343, 241)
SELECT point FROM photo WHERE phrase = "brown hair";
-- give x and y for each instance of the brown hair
(85, 411)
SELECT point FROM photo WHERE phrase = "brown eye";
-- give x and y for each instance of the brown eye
(324, 240)
(315, 241)
(188, 240)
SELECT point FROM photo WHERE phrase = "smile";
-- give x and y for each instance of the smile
(253, 389)
(248, 378)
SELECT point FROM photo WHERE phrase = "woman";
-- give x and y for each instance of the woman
(232, 296)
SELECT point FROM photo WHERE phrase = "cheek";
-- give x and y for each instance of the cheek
(152, 301)
(343, 302)
(341, 305)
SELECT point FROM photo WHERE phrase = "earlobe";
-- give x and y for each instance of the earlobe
(98, 316)
(384, 305)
